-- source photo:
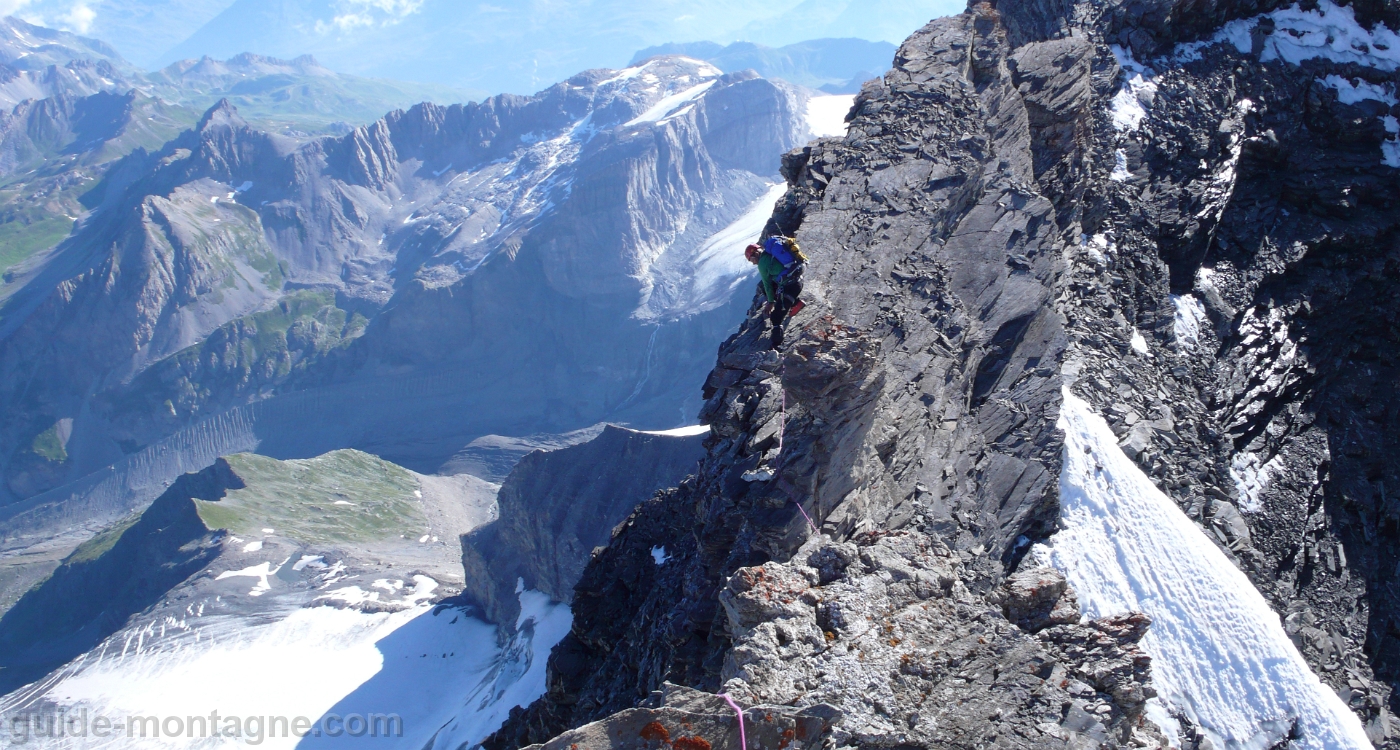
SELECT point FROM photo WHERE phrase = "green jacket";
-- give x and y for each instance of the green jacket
(769, 269)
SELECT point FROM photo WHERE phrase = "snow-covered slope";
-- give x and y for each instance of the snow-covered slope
(1219, 653)
(436, 670)
(319, 593)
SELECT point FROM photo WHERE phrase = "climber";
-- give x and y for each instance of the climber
(780, 265)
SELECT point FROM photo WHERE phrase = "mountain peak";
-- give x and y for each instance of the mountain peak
(222, 114)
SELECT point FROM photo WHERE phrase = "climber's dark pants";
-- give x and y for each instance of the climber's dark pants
(789, 289)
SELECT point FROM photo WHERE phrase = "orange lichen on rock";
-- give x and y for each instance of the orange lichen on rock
(654, 732)
(691, 743)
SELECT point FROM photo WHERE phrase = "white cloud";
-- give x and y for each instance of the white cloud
(11, 7)
(355, 14)
(78, 19)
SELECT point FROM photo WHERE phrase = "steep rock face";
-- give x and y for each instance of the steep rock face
(1187, 242)
(488, 225)
(114, 576)
(557, 506)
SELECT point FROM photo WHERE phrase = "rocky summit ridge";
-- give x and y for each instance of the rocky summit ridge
(1177, 214)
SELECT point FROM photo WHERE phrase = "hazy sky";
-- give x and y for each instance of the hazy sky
(505, 45)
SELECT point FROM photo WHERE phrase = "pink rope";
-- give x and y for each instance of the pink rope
(743, 741)
(804, 515)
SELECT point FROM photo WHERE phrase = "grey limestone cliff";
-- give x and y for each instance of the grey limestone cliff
(557, 506)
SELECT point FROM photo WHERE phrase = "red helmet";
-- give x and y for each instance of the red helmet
(752, 252)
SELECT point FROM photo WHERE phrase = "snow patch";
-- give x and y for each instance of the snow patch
(1219, 653)
(658, 554)
(1189, 320)
(315, 562)
(351, 595)
(1357, 90)
(1129, 106)
(1120, 167)
(1330, 32)
(253, 547)
(762, 474)
(826, 115)
(1138, 343)
(261, 572)
(1252, 477)
(423, 588)
(670, 104)
(1238, 33)
(691, 431)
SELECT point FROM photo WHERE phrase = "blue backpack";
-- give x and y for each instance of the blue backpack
(785, 250)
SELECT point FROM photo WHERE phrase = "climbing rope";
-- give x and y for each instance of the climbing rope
(743, 741)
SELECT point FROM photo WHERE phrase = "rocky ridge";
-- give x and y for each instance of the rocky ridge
(1186, 242)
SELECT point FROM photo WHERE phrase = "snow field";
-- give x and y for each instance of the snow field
(1220, 655)
(691, 431)
(440, 670)
(516, 678)
(826, 115)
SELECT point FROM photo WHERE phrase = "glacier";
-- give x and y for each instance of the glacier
(826, 115)
(439, 668)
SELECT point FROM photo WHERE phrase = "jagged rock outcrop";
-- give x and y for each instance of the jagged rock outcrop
(557, 506)
(685, 719)
(1185, 238)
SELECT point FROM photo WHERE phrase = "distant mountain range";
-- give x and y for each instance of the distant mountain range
(836, 66)
(141, 29)
(494, 47)
(300, 94)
